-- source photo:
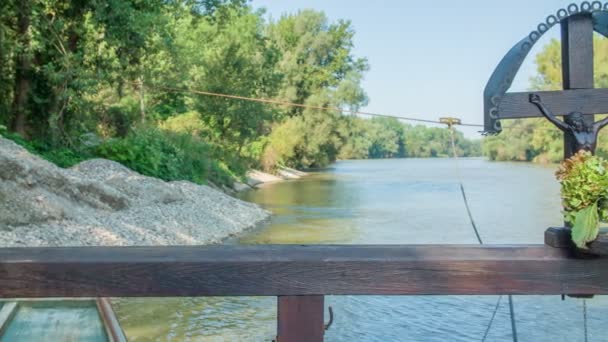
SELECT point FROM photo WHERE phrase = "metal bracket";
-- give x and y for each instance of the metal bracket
(331, 318)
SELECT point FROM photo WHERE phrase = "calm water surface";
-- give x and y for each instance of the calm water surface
(409, 201)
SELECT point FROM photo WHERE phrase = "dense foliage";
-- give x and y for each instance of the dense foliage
(537, 139)
(83, 79)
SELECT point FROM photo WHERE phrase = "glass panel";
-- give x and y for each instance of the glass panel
(56, 321)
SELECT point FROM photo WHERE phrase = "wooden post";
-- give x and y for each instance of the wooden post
(577, 59)
(300, 319)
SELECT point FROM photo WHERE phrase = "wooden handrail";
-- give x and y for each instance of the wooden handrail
(298, 275)
(288, 270)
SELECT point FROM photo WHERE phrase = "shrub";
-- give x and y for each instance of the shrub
(150, 151)
(167, 155)
(62, 156)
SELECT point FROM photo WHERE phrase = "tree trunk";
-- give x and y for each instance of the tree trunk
(142, 104)
(22, 68)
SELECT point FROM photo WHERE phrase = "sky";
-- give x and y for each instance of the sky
(432, 59)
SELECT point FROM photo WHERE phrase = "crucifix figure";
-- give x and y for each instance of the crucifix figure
(581, 134)
(578, 95)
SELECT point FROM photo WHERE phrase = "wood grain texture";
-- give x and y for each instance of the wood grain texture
(586, 101)
(273, 270)
(300, 319)
(577, 78)
(558, 237)
(577, 61)
(577, 52)
(561, 238)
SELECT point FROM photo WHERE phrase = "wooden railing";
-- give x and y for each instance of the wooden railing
(299, 275)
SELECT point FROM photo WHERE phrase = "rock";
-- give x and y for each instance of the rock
(33, 190)
(100, 202)
(289, 173)
(144, 190)
(238, 186)
(255, 177)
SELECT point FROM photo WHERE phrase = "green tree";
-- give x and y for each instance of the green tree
(125, 80)
(318, 69)
(231, 58)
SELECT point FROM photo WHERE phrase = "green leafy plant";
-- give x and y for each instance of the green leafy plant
(61, 156)
(584, 191)
(171, 156)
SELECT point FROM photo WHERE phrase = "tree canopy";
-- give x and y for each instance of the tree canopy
(119, 79)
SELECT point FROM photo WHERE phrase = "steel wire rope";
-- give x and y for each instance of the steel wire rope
(474, 226)
(332, 109)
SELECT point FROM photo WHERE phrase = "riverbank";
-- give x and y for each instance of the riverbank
(100, 202)
(256, 178)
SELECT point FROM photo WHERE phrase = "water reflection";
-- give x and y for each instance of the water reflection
(197, 319)
(388, 202)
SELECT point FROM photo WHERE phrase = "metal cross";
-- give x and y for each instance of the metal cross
(579, 95)
(579, 100)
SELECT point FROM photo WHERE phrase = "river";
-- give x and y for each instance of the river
(396, 201)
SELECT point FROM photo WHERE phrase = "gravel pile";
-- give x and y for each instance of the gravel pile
(100, 202)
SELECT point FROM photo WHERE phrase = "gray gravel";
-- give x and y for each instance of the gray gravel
(100, 202)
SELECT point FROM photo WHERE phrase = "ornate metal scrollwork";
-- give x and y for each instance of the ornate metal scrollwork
(573, 9)
(502, 77)
(534, 36)
(551, 20)
(585, 6)
(596, 6)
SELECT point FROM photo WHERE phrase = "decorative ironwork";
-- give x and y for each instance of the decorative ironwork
(502, 77)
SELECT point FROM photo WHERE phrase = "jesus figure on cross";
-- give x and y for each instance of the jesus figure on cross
(584, 134)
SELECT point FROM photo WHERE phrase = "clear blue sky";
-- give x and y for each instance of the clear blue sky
(433, 58)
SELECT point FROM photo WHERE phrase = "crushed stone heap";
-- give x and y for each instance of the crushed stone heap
(100, 202)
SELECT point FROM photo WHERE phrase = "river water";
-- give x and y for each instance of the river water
(396, 201)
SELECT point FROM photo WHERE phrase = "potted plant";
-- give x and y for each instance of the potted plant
(584, 192)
